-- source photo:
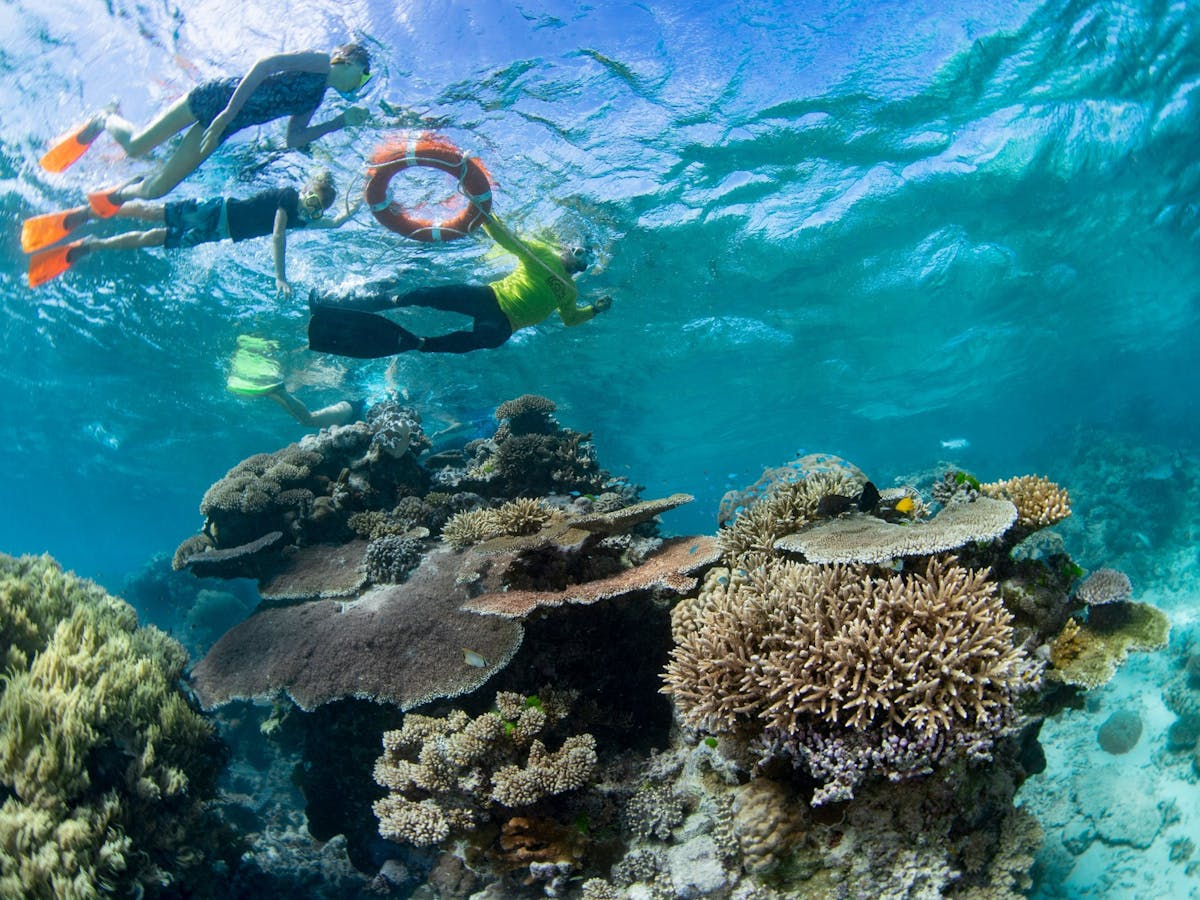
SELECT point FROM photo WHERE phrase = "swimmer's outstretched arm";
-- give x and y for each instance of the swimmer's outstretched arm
(279, 252)
(301, 134)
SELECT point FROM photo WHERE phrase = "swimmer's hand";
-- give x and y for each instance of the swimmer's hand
(355, 115)
(602, 304)
(285, 290)
(402, 116)
(213, 133)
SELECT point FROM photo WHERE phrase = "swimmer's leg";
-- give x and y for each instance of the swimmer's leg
(174, 119)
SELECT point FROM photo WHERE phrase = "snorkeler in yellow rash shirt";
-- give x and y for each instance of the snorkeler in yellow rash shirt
(345, 324)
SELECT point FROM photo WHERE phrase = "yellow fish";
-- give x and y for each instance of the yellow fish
(905, 505)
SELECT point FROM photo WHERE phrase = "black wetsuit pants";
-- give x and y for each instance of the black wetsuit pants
(489, 329)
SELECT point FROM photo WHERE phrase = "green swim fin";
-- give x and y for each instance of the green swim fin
(254, 370)
(348, 332)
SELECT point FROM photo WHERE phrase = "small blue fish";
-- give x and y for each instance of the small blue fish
(956, 444)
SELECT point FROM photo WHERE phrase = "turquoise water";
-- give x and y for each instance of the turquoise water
(873, 229)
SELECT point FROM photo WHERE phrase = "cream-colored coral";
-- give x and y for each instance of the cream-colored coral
(1039, 501)
(789, 507)
(867, 539)
(524, 515)
(446, 774)
(546, 773)
(790, 643)
(470, 527)
(422, 824)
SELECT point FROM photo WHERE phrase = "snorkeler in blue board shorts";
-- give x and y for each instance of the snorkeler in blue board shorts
(189, 223)
(288, 84)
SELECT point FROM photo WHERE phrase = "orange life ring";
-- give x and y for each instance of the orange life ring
(428, 150)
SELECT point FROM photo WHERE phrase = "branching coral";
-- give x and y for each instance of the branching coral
(787, 508)
(449, 774)
(806, 653)
(516, 517)
(103, 765)
(1039, 501)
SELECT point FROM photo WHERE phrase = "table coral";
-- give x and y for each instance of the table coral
(401, 644)
(1088, 654)
(866, 539)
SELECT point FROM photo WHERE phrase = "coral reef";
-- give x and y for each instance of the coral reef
(307, 492)
(104, 767)
(852, 722)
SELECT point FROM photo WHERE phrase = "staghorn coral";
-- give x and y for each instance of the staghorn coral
(450, 774)
(104, 767)
(847, 670)
(866, 539)
(1039, 501)
(785, 509)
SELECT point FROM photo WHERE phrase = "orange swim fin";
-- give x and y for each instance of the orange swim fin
(49, 264)
(102, 203)
(42, 231)
(70, 146)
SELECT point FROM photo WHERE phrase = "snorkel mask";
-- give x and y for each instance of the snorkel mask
(582, 257)
(310, 200)
(362, 83)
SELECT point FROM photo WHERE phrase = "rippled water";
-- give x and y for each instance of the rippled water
(865, 228)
